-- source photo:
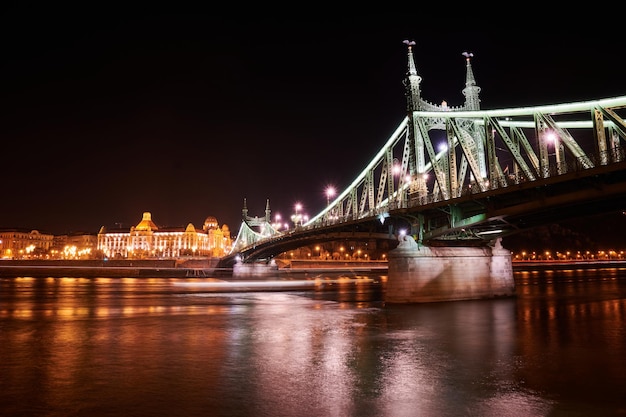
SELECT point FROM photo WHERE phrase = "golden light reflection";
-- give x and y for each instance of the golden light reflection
(79, 298)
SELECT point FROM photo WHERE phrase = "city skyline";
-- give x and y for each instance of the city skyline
(187, 116)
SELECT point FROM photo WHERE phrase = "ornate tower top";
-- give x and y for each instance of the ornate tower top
(412, 81)
(471, 90)
(244, 211)
(146, 223)
(268, 212)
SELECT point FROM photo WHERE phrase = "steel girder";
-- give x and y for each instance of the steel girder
(486, 150)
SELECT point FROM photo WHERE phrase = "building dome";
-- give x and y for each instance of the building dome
(146, 223)
(210, 223)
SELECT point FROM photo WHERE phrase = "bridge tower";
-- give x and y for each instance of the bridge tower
(256, 221)
(253, 229)
(419, 273)
(415, 147)
(450, 169)
(471, 90)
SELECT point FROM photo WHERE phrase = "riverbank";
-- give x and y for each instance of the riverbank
(109, 268)
(197, 268)
(570, 264)
(190, 268)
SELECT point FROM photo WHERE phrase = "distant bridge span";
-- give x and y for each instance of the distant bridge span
(268, 248)
(462, 175)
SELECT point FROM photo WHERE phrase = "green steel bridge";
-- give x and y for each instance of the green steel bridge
(464, 175)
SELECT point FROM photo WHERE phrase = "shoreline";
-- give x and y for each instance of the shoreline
(168, 270)
(569, 264)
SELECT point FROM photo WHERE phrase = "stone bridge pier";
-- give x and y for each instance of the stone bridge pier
(254, 270)
(420, 274)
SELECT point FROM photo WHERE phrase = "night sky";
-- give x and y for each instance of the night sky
(185, 116)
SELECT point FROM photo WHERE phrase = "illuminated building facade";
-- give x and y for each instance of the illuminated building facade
(23, 243)
(74, 246)
(147, 240)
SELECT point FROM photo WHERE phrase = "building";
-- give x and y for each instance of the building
(147, 240)
(24, 244)
(76, 245)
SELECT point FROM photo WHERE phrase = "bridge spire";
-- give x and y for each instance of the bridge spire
(244, 211)
(471, 90)
(412, 81)
(268, 217)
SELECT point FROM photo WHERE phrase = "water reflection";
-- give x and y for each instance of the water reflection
(96, 347)
(571, 332)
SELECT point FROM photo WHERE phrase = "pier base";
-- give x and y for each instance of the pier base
(260, 269)
(420, 274)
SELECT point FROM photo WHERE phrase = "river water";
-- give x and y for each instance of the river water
(323, 345)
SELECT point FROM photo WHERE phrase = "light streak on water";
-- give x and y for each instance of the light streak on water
(272, 284)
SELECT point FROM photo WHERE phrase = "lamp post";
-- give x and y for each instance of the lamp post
(277, 222)
(330, 193)
(396, 167)
(553, 138)
(297, 217)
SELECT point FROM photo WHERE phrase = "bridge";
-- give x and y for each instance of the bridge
(463, 176)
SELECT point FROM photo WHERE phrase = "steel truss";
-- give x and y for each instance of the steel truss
(478, 151)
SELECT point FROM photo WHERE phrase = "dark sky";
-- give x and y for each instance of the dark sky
(184, 116)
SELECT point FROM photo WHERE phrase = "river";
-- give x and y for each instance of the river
(311, 345)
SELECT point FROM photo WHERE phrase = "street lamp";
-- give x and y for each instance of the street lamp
(396, 167)
(277, 225)
(330, 193)
(297, 217)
